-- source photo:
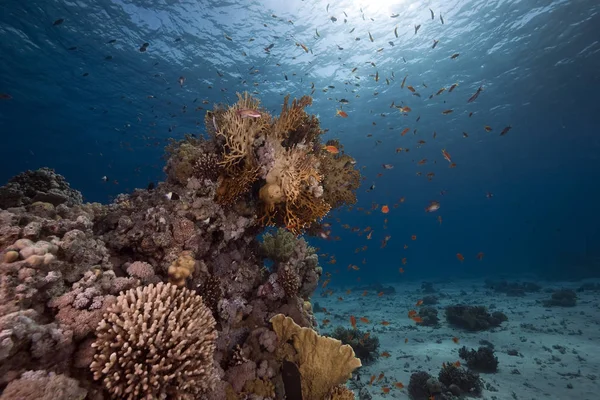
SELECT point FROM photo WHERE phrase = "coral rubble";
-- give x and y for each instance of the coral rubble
(165, 292)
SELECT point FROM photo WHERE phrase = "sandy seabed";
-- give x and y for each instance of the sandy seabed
(558, 347)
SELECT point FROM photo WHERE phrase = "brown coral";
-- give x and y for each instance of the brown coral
(323, 362)
(340, 179)
(156, 342)
(182, 268)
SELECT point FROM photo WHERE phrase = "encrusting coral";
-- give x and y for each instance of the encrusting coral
(80, 283)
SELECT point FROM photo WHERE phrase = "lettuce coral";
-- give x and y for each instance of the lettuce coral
(323, 362)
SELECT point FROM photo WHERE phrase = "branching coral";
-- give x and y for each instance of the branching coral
(275, 165)
(155, 342)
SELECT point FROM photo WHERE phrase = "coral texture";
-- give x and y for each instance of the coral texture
(42, 185)
(323, 362)
(156, 341)
(79, 283)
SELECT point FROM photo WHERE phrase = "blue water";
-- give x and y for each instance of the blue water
(538, 63)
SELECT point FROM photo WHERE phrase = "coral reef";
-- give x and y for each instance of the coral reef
(562, 298)
(275, 166)
(480, 360)
(473, 318)
(174, 277)
(460, 381)
(365, 349)
(42, 185)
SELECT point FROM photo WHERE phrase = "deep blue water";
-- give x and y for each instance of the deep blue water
(538, 63)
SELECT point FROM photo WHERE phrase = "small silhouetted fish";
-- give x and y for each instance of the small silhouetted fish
(108, 58)
(143, 49)
(432, 15)
(344, 101)
(150, 186)
(111, 41)
(85, 74)
(172, 196)
(441, 19)
(58, 21)
(391, 43)
(331, 87)
(285, 76)
(178, 39)
(333, 19)
(72, 48)
(417, 28)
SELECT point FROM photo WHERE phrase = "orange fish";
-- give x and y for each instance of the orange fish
(419, 303)
(406, 340)
(399, 385)
(457, 364)
(455, 339)
(446, 155)
(364, 293)
(380, 377)
(372, 379)
(417, 319)
(385, 323)
(325, 283)
(325, 322)
(385, 389)
(331, 149)
(446, 112)
(364, 320)
(460, 257)
(423, 161)
(401, 270)
(385, 209)
(340, 299)
(380, 294)
(353, 321)
(412, 313)
(453, 165)
(412, 89)
(405, 109)
(404, 132)
(341, 113)
(480, 256)
(414, 237)
(386, 355)
(487, 128)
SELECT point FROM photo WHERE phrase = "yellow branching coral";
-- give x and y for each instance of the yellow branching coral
(277, 161)
(240, 133)
(323, 362)
(292, 117)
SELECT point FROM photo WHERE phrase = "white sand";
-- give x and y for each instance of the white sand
(539, 365)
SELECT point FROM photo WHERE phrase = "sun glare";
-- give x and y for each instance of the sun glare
(380, 5)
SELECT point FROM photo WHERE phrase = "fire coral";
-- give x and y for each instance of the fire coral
(276, 166)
